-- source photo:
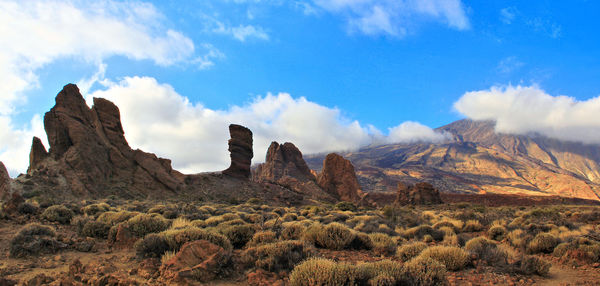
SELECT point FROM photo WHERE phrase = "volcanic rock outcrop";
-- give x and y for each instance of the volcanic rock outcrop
(285, 166)
(88, 148)
(338, 179)
(240, 148)
(419, 194)
(4, 182)
(37, 154)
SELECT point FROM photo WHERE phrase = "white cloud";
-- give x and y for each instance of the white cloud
(509, 64)
(410, 132)
(392, 17)
(508, 15)
(37, 33)
(241, 32)
(523, 110)
(157, 119)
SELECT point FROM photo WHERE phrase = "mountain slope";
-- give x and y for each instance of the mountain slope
(477, 160)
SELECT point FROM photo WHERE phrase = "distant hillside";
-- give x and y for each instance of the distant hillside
(478, 160)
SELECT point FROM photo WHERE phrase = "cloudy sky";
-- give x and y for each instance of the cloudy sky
(328, 75)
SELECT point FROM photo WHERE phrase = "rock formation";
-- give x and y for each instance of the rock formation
(240, 148)
(338, 179)
(37, 154)
(419, 194)
(284, 160)
(88, 148)
(4, 182)
(285, 166)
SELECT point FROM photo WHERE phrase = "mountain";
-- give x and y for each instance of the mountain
(479, 160)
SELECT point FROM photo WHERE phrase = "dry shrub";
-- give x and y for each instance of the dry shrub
(58, 213)
(143, 224)
(274, 257)
(95, 229)
(383, 244)
(518, 238)
(238, 235)
(114, 218)
(425, 271)
(419, 232)
(334, 236)
(262, 237)
(453, 258)
(486, 250)
(361, 241)
(455, 224)
(152, 245)
(34, 239)
(292, 231)
(319, 271)
(95, 209)
(497, 232)
(530, 264)
(178, 237)
(472, 226)
(410, 250)
(543, 242)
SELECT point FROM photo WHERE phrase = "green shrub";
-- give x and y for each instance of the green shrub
(383, 244)
(335, 236)
(292, 231)
(274, 257)
(143, 224)
(543, 242)
(152, 245)
(412, 249)
(453, 258)
(238, 235)
(34, 239)
(497, 232)
(262, 237)
(529, 265)
(486, 250)
(58, 213)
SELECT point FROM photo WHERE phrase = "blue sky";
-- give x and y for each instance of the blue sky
(375, 71)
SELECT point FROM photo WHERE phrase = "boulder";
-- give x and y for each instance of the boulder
(240, 148)
(419, 194)
(338, 179)
(37, 154)
(198, 260)
(4, 183)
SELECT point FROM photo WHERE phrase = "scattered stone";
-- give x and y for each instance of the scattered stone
(149, 268)
(38, 280)
(124, 239)
(240, 148)
(261, 277)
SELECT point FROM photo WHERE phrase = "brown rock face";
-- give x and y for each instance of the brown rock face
(88, 148)
(197, 260)
(37, 154)
(240, 148)
(285, 166)
(339, 179)
(4, 182)
(419, 194)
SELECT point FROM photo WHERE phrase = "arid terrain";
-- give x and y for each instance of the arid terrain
(92, 211)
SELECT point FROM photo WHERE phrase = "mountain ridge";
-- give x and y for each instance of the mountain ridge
(477, 159)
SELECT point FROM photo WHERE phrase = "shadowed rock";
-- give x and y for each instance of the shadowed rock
(338, 178)
(285, 166)
(4, 182)
(419, 194)
(88, 148)
(37, 154)
(240, 148)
